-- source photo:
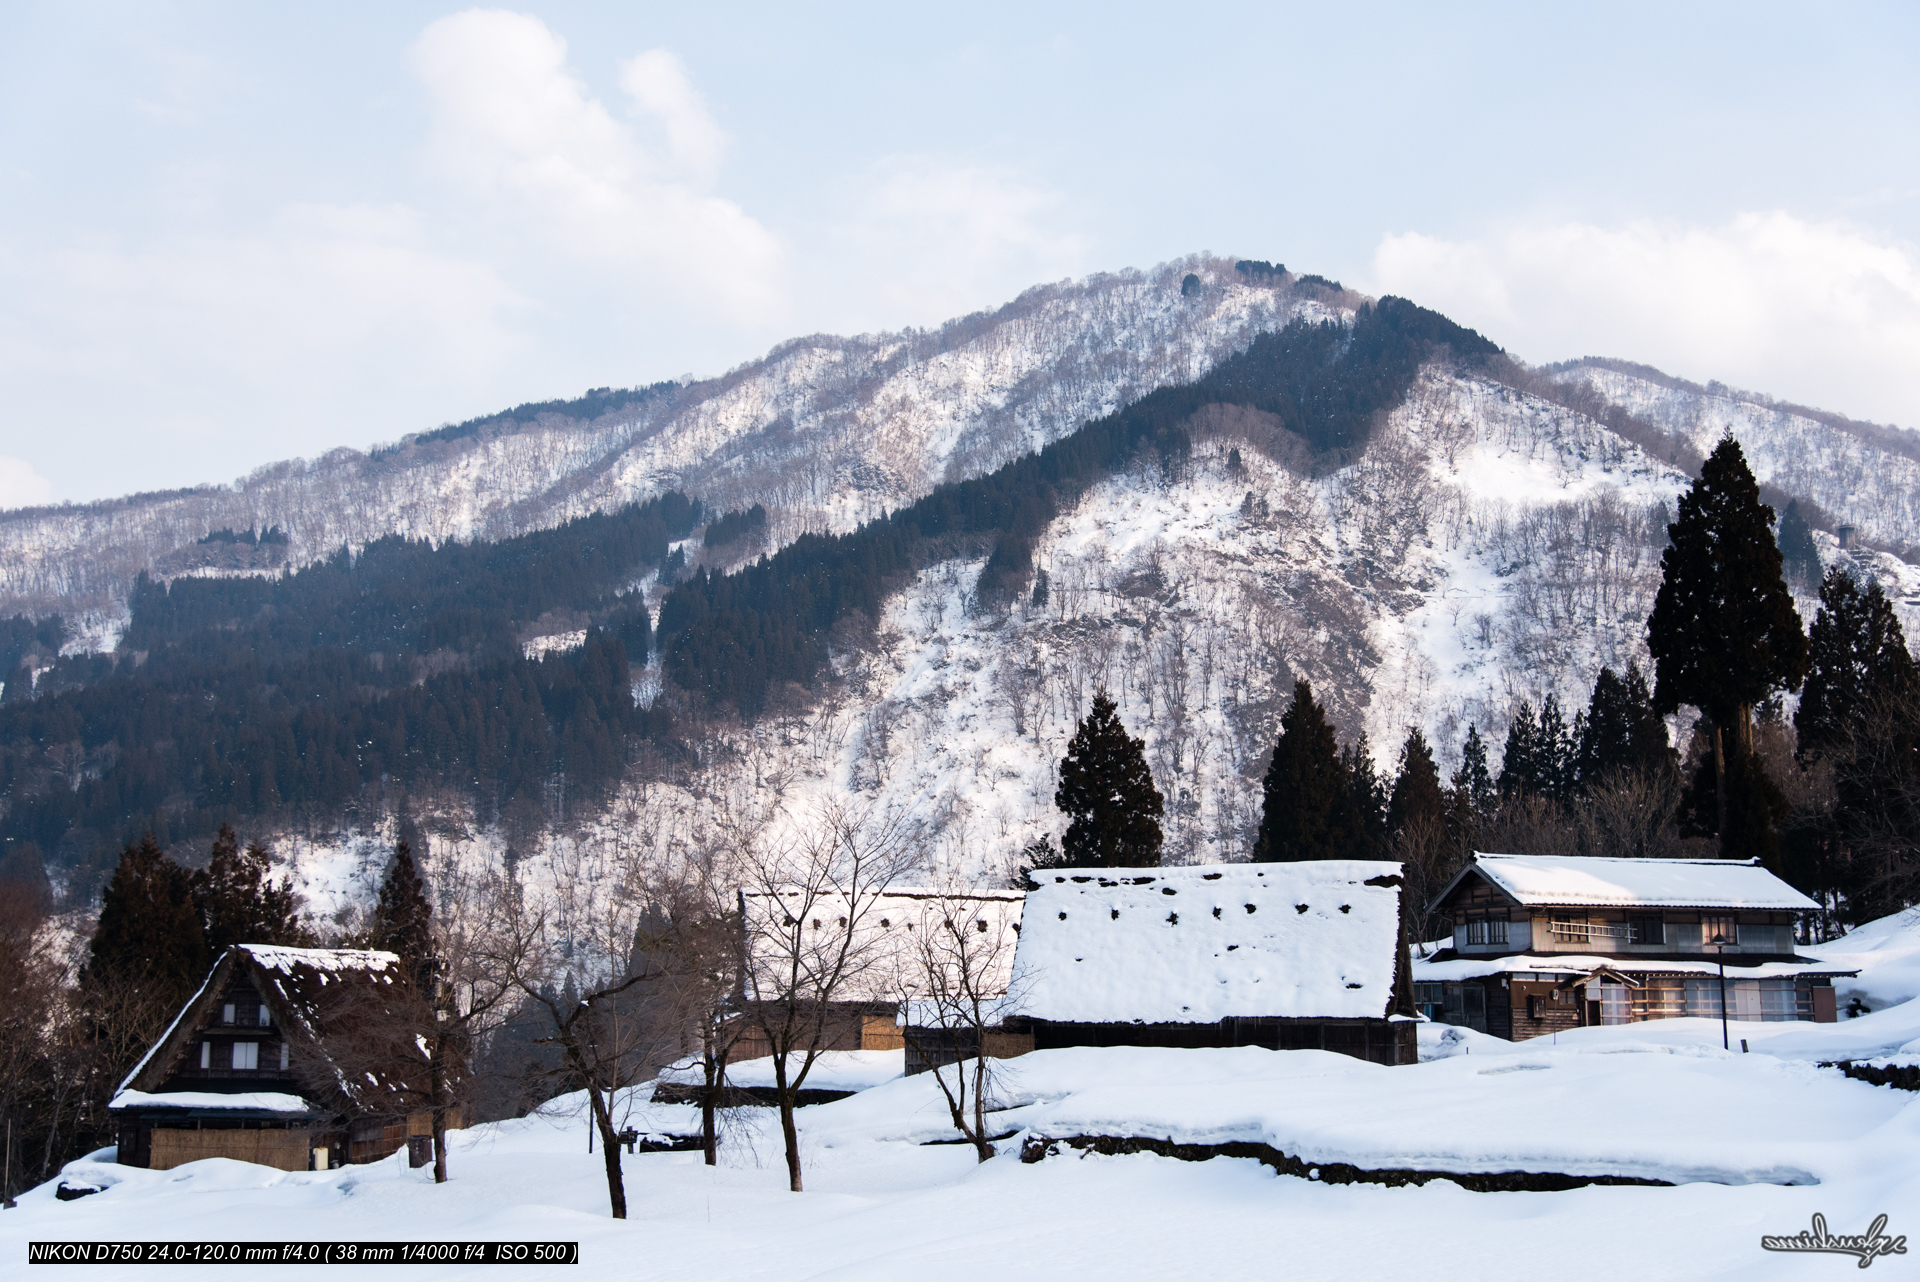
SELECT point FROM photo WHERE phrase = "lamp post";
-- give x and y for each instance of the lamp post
(1719, 943)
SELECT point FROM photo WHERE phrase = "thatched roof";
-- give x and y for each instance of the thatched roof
(322, 1001)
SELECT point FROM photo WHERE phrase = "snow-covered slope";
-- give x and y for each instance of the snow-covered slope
(1860, 474)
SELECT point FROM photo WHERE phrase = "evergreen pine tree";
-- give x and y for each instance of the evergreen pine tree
(1416, 798)
(1554, 753)
(403, 920)
(1520, 761)
(1723, 631)
(1620, 730)
(1107, 792)
(149, 937)
(1858, 657)
(1472, 780)
(1308, 810)
(238, 901)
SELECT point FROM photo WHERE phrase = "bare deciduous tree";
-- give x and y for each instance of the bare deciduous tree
(954, 981)
(809, 947)
(573, 957)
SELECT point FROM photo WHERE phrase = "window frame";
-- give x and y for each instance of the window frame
(1728, 921)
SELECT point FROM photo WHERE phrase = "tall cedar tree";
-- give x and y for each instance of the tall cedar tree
(1108, 793)
(403, 921)
(1417, 798)
(1858, 658)
(149, 936)
(1723, 631)
(1308, 811)
(239, 903)
(1620, 731)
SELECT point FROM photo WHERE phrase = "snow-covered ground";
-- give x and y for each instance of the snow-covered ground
(1753, 1144)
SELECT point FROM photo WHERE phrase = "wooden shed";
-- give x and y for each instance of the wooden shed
(247, 1069)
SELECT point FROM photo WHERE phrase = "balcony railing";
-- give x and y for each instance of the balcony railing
(1587, 931)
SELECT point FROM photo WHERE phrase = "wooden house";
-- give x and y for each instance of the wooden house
(1286, 956)
(251, 1068)
(792, 934)
(1545, 943)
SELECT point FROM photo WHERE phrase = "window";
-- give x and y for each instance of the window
(226, 1013)
(206, 1054)
(1722, 927)
(1486, 930)
(1646, 930)
(283, 1057)
(246, 1054)
(264, 1017)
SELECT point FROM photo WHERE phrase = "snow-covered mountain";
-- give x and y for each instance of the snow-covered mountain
(1491, 545)
(825, 431)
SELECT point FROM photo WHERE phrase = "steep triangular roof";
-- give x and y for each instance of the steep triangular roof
(313, 993)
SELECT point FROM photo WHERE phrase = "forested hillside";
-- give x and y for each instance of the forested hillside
(290, 699)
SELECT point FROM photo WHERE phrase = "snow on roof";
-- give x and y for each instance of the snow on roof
(884, 960)
(1582, 880)
(332, 960)
(167, 1036)
(311, 991)
(1198, 944)
(1578, 965)
(262, 1101)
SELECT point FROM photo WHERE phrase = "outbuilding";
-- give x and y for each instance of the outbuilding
(1288, 956)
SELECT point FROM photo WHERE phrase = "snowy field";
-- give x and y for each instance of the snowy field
(1754, 1144)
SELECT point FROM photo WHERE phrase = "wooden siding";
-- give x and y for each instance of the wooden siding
(1537, 1009)
(286, 1150)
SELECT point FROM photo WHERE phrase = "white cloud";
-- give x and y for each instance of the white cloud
(1820, 313)
(659, 86)
(20, 485)
(521, 130)
(941, 236)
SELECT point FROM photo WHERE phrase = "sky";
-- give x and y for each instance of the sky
(237, 233)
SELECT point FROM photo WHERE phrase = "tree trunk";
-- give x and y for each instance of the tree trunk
(791, 1137)
(439, 1112)
(981, 1145)
(716, 1069)
(610, 1148)
(789, 1134)
(1719, 781)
